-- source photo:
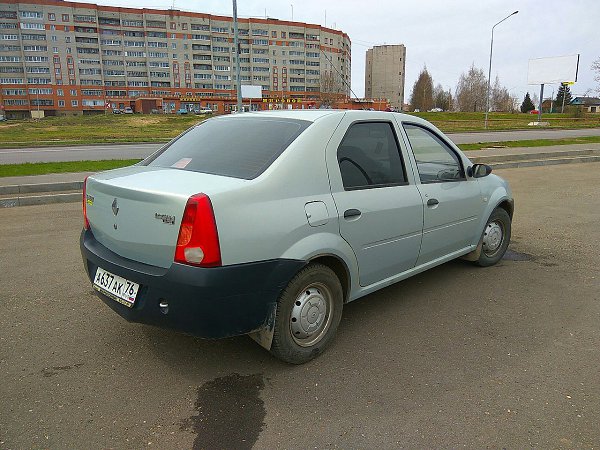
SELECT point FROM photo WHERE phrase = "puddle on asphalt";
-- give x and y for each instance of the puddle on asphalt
(230, 412)
(511, 255)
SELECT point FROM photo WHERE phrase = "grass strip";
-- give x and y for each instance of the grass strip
(19, 170)
(531, 143)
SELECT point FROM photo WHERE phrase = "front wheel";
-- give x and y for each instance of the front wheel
(495, 239)
(309, 311)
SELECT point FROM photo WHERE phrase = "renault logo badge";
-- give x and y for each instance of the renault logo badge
(115, 207)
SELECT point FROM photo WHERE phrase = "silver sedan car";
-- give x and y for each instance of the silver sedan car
(267, 223)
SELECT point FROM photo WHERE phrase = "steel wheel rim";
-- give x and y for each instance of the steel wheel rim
(493, 237)
(311, 315)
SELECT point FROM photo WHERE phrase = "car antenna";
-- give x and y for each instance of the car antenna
(339, 73)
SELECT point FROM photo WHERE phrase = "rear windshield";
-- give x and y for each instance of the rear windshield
(232, 147)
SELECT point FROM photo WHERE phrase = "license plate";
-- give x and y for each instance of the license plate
(116, 287)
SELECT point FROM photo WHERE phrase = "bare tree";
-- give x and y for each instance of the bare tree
(536, 100)
(471, 91)
(596, 68)
(441, 98)
(501, 99)
(330, 89)
(422, 92)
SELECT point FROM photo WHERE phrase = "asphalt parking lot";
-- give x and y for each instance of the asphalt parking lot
(507, 356)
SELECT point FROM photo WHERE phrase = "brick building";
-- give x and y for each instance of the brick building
(61, 57)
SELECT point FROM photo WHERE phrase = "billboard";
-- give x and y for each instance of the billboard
(249, 91)
(554, 70)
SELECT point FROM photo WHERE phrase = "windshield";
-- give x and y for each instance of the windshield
(232, 147)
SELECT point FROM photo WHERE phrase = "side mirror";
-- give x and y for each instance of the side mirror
(480, 170)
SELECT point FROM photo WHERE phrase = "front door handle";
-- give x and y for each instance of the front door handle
(351, 213)
(432, 202)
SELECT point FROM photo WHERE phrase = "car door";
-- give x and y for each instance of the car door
(379, 207)
(452, 203)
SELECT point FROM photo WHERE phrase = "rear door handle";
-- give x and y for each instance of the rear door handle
(432, 202)
(351, 213)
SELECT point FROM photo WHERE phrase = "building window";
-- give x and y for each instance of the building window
(74, 103)
(51, 16)
(174, 45)
(173, 25)
(60, 92)
(67, 39)
(61, 103)
(65, 17)
(283, 35)
(184, 26)
(54, 49)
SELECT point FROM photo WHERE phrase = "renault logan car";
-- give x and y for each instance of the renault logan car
(268, 223)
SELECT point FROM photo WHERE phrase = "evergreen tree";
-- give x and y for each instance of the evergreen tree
(527, 104)
(563, 91)
(422, 92)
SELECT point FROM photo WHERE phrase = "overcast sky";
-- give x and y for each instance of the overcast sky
(446, 35)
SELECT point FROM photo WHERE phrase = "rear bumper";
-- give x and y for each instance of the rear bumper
(206, 302)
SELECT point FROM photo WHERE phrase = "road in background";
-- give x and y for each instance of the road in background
(131, 151)
(501, 357)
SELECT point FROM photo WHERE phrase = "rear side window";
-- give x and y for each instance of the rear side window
(369, 157)
(232, 147)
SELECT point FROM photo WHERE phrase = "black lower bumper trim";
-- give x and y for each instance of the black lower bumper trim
(206, 302)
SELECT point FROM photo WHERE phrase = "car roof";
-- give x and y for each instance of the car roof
(313, 115)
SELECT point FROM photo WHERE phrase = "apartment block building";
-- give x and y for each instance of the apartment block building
(385, 73)
(62, 57)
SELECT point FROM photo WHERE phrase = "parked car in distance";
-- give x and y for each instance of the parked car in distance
(204, 110)
(128, 110)
(181, 111)
(116, 111)
(268, 223)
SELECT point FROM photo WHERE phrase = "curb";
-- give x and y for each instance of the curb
(41, 187)
(40, 200)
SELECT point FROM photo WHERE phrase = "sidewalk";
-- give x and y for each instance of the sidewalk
(557, 149)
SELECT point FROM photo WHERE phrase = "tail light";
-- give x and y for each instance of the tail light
(198, 240)
(86, 223)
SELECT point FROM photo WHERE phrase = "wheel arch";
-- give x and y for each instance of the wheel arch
(507, 206)
(340, 269)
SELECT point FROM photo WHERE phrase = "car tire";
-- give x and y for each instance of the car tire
(309, 311)
(495, 238)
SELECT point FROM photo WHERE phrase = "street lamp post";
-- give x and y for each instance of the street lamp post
(487, 103)
(292, 12)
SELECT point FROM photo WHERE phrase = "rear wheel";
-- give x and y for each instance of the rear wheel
(308, 313)
(495, 239)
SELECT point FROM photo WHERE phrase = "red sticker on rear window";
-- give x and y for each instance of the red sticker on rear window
(182, 163)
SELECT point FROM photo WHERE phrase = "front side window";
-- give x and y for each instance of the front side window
(436, 161)
(369, 157)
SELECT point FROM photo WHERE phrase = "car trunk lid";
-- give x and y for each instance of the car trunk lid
(136, 212)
